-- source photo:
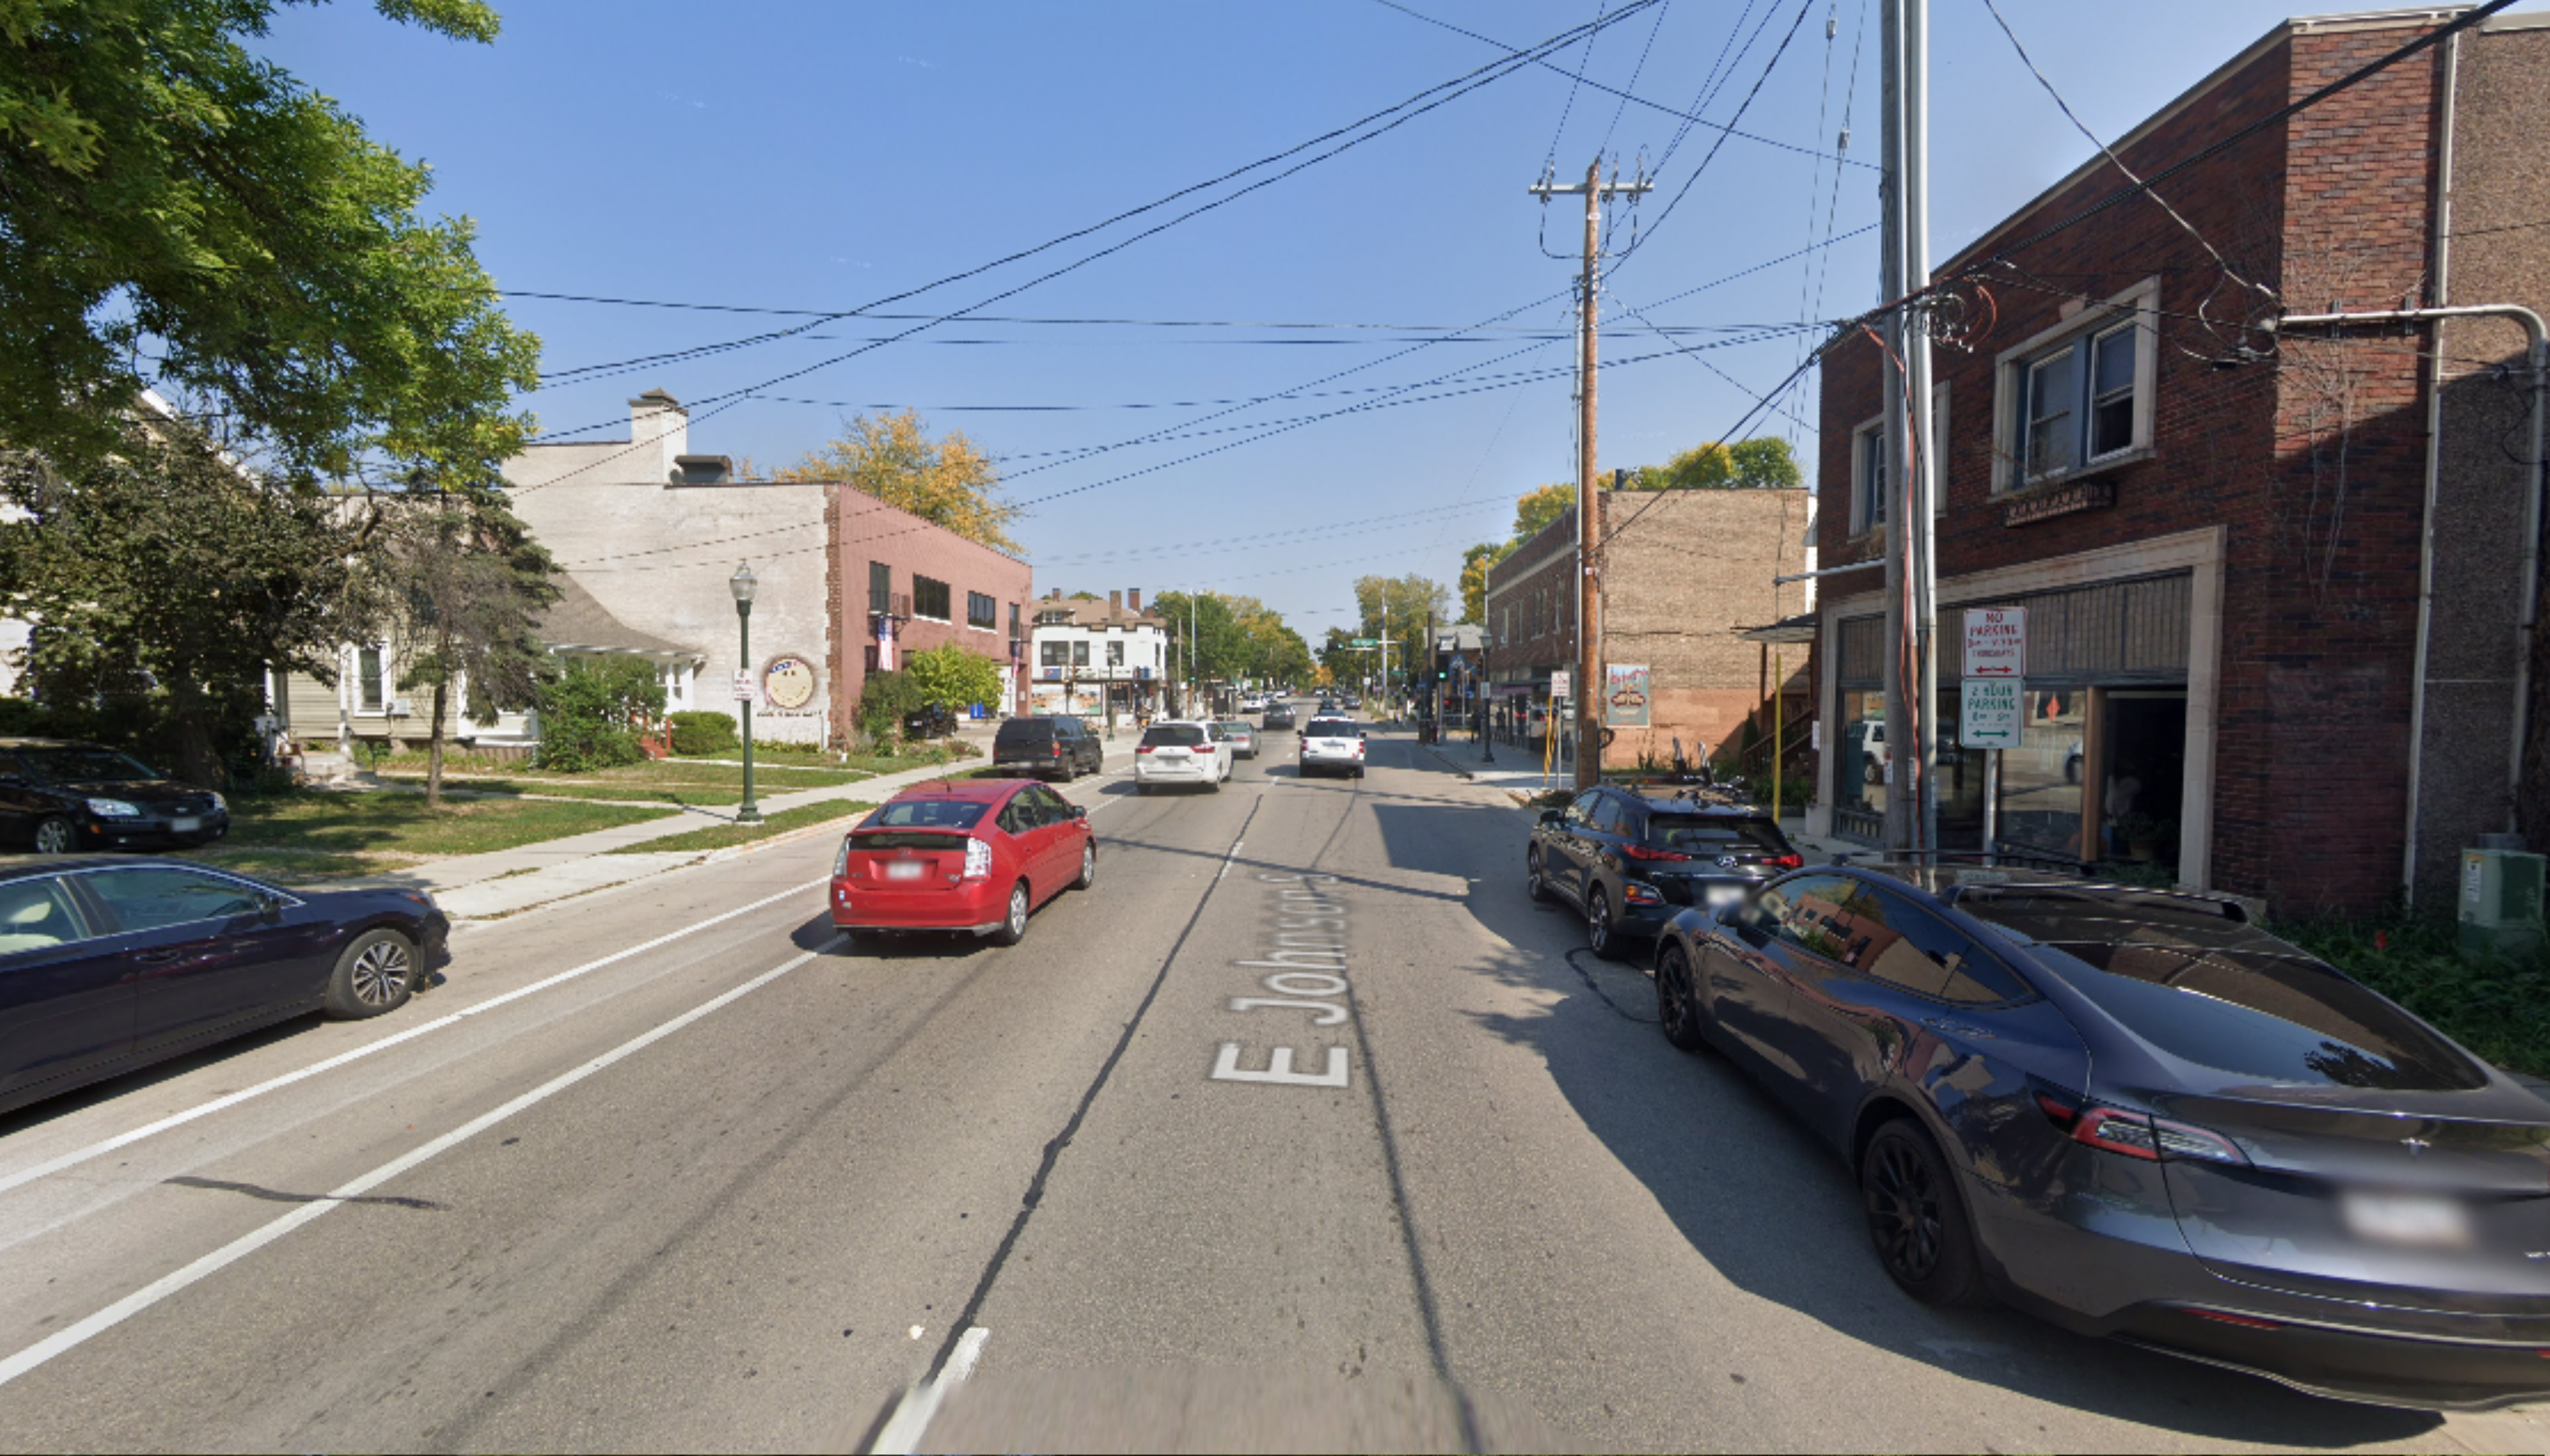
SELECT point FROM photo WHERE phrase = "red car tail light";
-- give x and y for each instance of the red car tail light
(1787, 861)
(978, 859)
(1144, 748)
(1641, 851)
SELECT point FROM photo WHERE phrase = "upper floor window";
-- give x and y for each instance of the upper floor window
(880, 588)
(2078, 395)
(1055, 653)
(982, 611)
(1871, 491)
(929, 599)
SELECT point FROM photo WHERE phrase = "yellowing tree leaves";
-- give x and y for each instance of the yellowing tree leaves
(945, 481)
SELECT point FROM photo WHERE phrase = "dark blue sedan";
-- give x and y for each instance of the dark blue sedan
(2138, 1114)
(108, 964)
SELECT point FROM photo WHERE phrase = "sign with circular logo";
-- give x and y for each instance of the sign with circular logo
(789, 682)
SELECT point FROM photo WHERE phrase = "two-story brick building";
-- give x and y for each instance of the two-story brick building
(2274, 577)
(1681, 578)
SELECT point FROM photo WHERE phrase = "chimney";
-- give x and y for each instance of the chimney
(1114, 603)
(659, 418)
(1133, 599)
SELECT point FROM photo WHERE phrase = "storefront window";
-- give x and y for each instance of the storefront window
(2041, 779)
(1862, 784)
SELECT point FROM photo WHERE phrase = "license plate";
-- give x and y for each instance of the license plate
(2419, 1220)
(185, 825)
(905, 869)
(1724, 894)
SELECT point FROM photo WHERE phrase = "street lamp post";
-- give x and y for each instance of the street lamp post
(741, 584)
(1486, 709)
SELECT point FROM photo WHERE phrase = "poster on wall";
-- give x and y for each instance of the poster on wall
(788, 682)
(1624, 696)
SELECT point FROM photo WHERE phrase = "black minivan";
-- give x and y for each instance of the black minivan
(1058, 746)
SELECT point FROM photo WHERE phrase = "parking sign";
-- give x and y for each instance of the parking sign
(1996, 641)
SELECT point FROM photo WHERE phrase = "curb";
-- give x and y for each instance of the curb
(1429, 751)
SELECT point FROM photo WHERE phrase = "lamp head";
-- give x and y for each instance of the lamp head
(741, 584)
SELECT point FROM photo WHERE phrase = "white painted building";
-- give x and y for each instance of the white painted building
(1084, 651)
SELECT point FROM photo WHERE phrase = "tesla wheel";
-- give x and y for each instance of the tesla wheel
(55, 835)
(1013, 926)
(1535, 883)
(1088, 866)
(1599, 937)
(1915, 1217)
(375, 973)
(1677, 999)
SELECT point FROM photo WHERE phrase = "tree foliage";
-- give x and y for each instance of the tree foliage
(945, 481)
(1752, 465)
(953, 677)
(1538, 508)
(161, 582)
(1412, 600)
(592, 710)
(1474, 579)
(1232, 637)
(167, 196)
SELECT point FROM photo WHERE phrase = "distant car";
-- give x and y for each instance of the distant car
(108, 964)
(1330, 745)
(1242, 738)
(59, 796)
(1351, 703)
(975, 857)
(1629, 862)
(1278, 716)
(933, 721)
(2138, 1114)
(1058, 745)
(1179, 754)
(1326, 705)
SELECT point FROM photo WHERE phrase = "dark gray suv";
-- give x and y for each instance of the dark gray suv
(1059, 746)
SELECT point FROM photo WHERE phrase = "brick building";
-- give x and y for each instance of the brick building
(653, 532)
(2220, 532)
(1681, 579)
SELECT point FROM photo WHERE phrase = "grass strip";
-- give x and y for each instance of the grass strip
(358, 823)
(722, 836)
(2498, 1008)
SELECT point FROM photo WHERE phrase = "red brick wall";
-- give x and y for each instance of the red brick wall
(863, 530)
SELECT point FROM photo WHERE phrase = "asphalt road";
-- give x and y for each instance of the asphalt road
(672, 1166)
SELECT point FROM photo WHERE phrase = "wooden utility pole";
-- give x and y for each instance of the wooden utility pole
(1589, 593)
(1911, 469)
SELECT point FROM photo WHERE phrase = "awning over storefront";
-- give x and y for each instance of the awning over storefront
(1787, 632)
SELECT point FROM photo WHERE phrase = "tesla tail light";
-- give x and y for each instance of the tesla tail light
(2148, 1138)
(978, 859)
(1641, 851)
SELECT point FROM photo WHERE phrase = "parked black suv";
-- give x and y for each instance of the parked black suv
(61, 795)
(1632, 861)
(1060, 747)
(933, 721)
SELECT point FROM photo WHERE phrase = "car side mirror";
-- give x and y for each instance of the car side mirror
(1080, 811)
(269, 906)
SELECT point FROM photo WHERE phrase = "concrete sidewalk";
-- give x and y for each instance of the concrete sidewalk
(504, 881)
(1462, 758)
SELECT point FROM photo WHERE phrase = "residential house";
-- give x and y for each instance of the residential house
(1091, 656)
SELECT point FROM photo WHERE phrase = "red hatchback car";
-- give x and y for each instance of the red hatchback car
(973, 855)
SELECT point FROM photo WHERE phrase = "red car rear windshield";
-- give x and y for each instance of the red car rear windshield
(929, 814)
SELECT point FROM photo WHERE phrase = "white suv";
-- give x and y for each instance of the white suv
(1331, 744)
(1180, 753)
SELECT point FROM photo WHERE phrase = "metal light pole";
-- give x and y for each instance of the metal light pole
(741, 584)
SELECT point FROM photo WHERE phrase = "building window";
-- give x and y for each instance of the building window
(369, 679)
(1115, 654)
(1080, 653)
(1015, 633)
(2079, 397)
(929, 599)
(981, 611)
(1868, 493)
(880, 588)
(1053, 654)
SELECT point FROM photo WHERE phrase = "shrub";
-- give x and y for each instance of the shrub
(703, 733)
(590, 712)
(884, 702)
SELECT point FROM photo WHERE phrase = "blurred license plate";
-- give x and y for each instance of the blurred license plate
(1724, 894)
(185, 825)
(2415, 1219)
(905, 869)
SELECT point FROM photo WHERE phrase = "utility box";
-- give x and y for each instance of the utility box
(2500, 902)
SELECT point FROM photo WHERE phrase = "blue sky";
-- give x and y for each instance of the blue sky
(821, 155)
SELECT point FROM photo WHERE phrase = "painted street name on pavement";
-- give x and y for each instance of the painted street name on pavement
(1306, 972)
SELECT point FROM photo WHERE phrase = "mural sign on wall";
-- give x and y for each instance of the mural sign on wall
(788, 683)
(1624, 696)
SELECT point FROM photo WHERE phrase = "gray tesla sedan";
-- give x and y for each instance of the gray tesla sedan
(2138, 1114)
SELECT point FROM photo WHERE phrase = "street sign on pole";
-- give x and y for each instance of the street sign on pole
(1989, 716)
(1996, 641)
(1363, 641)
(1558, 684)
(746, 689)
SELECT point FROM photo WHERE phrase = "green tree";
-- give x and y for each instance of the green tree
(945, 481)
(1540, 508)
(950, 676)
(1752, 465)
(591, 710)
(161, 582)
(166, 196)
(1474, 579)
(462, 585)
(1412, 600)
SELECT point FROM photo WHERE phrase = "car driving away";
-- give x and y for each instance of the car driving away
(2138, 1115)
(1173, 753)
(1630, 860)
(1279, 717)
(1241, 737)
(1052, 745)
(109, 964)
(971, 856)
(1331, 745)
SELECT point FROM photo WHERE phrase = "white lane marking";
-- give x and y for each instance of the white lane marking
(240, 1248)
(77, 1156)
(1226, 860)
(904, 1430)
